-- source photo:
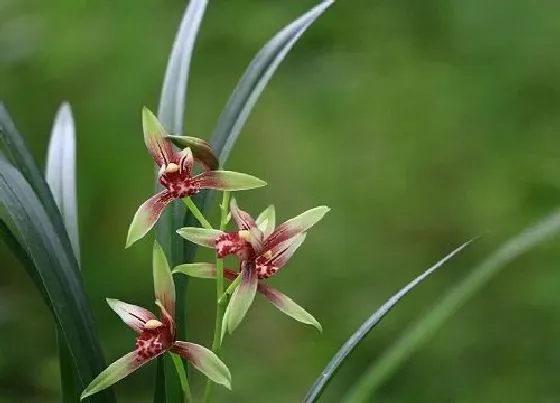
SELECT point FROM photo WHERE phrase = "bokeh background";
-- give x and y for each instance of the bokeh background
(421, 124)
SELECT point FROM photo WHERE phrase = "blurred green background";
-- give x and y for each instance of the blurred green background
(421, 124)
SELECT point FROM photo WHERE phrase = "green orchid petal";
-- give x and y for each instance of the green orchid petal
(295, 226)
(227, 180)
(200, 236)
(241, 299)
(288, 306)
(154, 136)
(200, 270)
(164, 287)
(201, 150)
(266, 221)
(146, 216)
(115, 372)
(205, 361)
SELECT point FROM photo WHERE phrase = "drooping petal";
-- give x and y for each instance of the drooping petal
(282, 252)
(248, 229)
(201, 150)
(226, 180)
(296, 225)
(133, 315)
(200, 270)
(147, 215)
(205, 361)
(201, 236)
(266, 221)
(164, 288)
(288, 306)
(186, 161)
(242, 298)
(115, 372)
(154, 136)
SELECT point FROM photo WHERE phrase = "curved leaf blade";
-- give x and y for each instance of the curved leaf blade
(453, 300)
(254, 80)
(60, 172)
(171, 114)
(57, 270)
(18, 153)
(349, 346)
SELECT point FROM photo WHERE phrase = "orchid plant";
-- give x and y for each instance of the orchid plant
(261, 247)
(38, 220)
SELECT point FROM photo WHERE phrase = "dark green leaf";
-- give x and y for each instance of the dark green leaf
(60, 175)
(247, 92)
(57, 270)
(453, 299)
(171, 114)
(18, 153)
(349, 346)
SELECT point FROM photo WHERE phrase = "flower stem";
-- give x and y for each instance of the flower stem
(197, 213)
(187, 397)
(217, 341)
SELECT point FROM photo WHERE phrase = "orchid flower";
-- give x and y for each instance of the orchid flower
(262, 249)
(174, 174)
(157, 336)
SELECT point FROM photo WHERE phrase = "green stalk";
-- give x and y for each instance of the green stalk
(220, 305)
(187, 397)
(197, 213)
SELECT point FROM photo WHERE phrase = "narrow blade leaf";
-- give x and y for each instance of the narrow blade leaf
(57, 270)
(254, 80)
(61, 172)
(349, 346)
(453, 300)
(171, 113)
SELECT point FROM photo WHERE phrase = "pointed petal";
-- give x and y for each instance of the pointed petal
(201, 150)
(266, 221)
(205, 361)
(288, 306)
(226, 180)
(154, 136)
(296, 225)
(133, 315)
(242, 298)
(186, 161)
(201, 236)
(163, 281)
(115, 372)
(243, 219)
(200, 270)
(146, 216)
(247, 225)
(203, 270)
(282, 252)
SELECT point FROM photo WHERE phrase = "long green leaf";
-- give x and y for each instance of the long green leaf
(327, 374)
(60, 174)
(247, 92)
(18, 153)
(254, 80)
(171, 114)
(57, 271)
(433, 319)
